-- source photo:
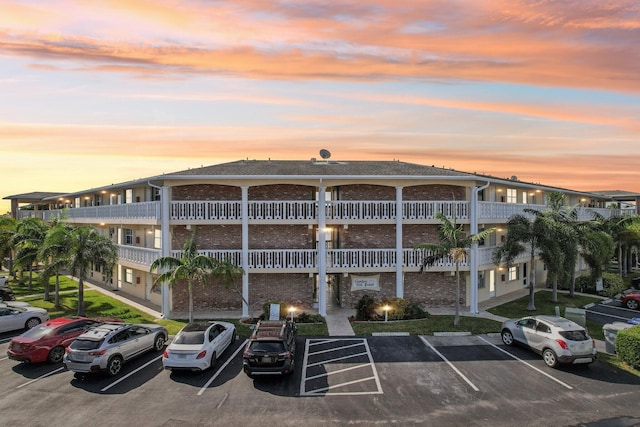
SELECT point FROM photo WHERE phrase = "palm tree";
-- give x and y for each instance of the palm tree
(192, 267)
(55, 254)
(87, 248)
(597, 249)
(617, 227)
(454, 243)
(523, 234)
(7, 230)
(27, 239)
(229, 273)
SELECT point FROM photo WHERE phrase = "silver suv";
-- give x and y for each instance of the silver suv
(106, 347)
(557, 339)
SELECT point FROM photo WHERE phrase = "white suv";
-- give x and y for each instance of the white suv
(108, 346)
(557, 339)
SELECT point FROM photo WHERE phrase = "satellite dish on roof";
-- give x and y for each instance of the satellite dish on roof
(325, 154)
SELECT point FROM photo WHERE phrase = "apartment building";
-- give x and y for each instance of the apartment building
(310, 233)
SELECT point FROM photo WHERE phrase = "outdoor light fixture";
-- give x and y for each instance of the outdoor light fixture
(386, 309)
(291, 311)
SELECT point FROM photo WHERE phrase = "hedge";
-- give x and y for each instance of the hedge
(628, 346)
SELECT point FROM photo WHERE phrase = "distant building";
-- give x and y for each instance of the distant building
(311, 233)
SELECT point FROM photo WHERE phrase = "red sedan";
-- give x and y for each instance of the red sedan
(631, 300)
(48, 341)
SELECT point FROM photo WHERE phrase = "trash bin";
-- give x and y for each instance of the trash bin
(634, 321)
(610, 331)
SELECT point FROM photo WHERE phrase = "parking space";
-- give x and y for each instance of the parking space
(609, 311)
(407, 380)
(338, 367)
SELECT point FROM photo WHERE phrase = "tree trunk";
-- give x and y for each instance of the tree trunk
(532, 282)
(81, 297)
(456, 319)
(30, 286)
(57, 292)
(45, 283)
(190, 302)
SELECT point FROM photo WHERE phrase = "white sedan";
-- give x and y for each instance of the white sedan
(197, 346)
(14, 318)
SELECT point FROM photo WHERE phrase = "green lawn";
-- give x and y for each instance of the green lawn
(66, 284)
(518, 308)
(428, 326)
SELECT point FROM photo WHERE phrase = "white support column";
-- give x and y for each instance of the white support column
(322, 251)
(399, 252)
(473, 252)
(166, 246)
(245, 250)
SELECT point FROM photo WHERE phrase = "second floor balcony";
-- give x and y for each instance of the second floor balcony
(278, 211)
(306, 260)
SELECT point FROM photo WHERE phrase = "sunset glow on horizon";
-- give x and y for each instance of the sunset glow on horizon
(95, 93)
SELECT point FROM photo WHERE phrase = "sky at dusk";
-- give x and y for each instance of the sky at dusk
(100, 92)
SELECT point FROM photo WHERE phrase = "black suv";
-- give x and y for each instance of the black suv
(271, 348)
(6, 293)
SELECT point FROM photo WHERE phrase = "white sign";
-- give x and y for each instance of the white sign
(599, 286)
(365, 283)
(274, 312)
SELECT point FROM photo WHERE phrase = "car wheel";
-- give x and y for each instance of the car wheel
(56, 354)
(507, 337)
(550, 358)
(212, 363)
(114, 365)
(233, 337)
(632, 304)
(32, 323)
(158, 343)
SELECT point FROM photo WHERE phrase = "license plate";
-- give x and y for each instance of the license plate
(583, 360)
(79, 357)
(181, 356)
(266, 360)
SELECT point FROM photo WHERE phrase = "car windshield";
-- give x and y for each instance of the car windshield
(85, 344)
(38, 332)
(574, 335)
(195, 337)
(267, 347)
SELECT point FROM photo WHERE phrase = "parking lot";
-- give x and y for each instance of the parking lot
(400, 380)
(609, 311)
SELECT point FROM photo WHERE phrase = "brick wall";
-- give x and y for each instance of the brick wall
(206, 192)
(291, 289)
(366, 192)
(368, 236)
(282, 192)
(434, 192)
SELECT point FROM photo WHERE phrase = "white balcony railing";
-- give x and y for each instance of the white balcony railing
(278, 210)
(138, 255)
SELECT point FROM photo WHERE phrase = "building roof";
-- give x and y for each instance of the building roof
(320, 168)
(34, 197)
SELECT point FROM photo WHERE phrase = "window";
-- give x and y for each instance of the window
(128, 275)
(512, 195)
(481, 283)
(156, 194)
(524, 197)
(128, 194)
(513, 273)
(157, 239)
(128, 237)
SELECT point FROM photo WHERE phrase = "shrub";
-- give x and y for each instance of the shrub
(628, 346)
(305, 317)
(415, 311)
(613, 284)
(586, 283)
(397, 308)
(365, 308)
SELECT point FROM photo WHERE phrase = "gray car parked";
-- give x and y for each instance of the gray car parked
(106, 347)
(557, 339)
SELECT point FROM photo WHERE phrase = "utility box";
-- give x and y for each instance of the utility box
(610, 331)
(578, 315)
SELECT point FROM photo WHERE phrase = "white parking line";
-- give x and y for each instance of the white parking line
(456, 370)
(41, 376)
(528, 364)
(359, 342)
(130, 373)
(204, 387)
